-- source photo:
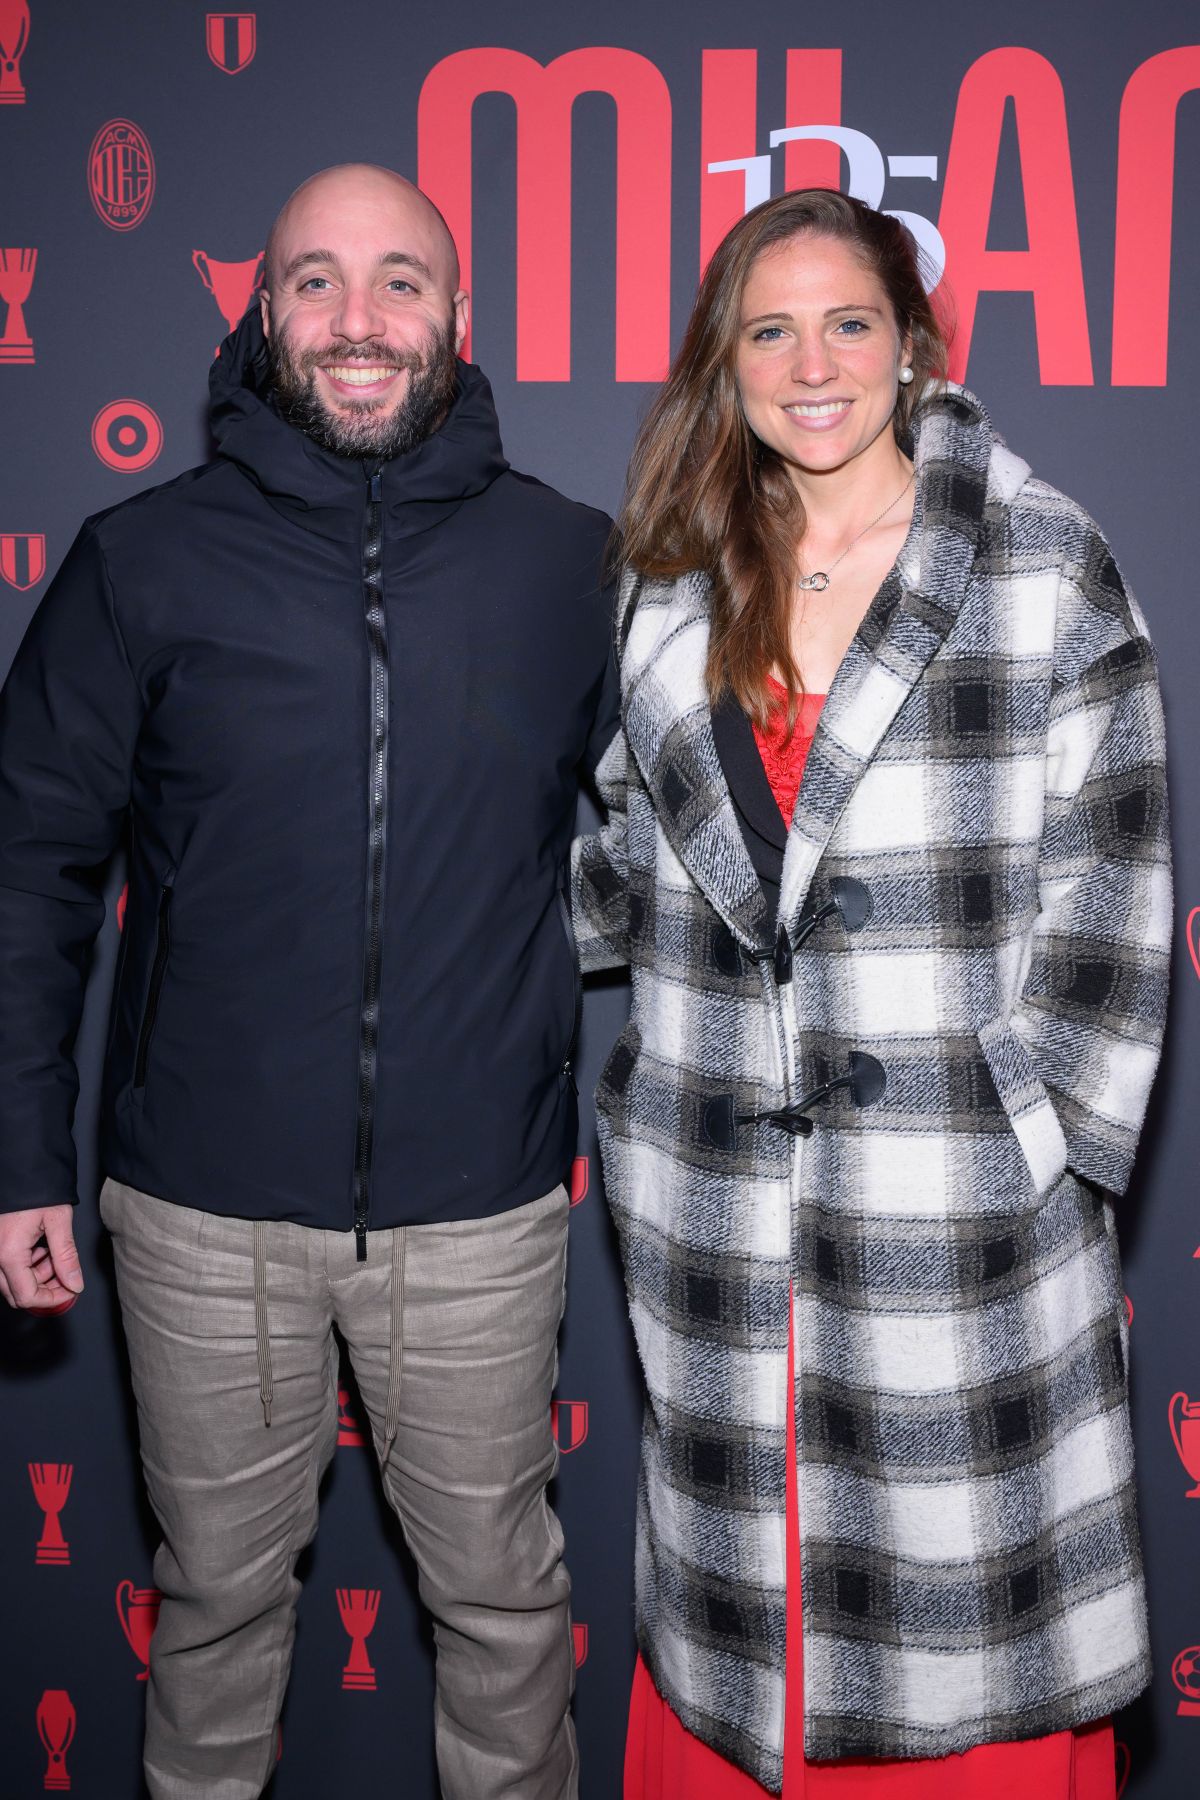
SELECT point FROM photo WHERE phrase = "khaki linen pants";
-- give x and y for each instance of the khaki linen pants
(474, 1308)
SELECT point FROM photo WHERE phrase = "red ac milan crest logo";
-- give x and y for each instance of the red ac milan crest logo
(56, 1728)
(121, 174)
(137, 1609)
(127, 435)
(359, 1609)
(579, 1634)
(569, 1422)
(16, 280)
(579, 1180)
(51, 1485)
(232, 40)
(22, 558)
(14, 35)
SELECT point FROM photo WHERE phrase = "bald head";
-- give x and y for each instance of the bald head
(373, 195)
(363, 311)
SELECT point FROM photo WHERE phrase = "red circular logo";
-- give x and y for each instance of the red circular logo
(121, 174)
(127, 435)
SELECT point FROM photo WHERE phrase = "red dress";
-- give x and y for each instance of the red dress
(663, 1761)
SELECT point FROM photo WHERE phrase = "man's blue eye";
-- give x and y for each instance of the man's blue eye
(314, 281)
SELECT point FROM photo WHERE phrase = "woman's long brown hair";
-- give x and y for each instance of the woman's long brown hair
(704, 493)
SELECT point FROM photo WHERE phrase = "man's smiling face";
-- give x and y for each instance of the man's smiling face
(363, 313)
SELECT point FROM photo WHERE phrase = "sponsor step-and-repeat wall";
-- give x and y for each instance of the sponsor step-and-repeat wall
(588, 160)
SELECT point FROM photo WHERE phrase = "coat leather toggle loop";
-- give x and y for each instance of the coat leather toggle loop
(865, 1079)
(849, 898)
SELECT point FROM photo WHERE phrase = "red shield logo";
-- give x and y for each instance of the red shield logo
(121, 174)
(22, 558)
(580, 1635)
(569, 1422)
(579, 1180)
(232, 39)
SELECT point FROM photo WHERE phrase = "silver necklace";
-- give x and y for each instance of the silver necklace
(818, 581)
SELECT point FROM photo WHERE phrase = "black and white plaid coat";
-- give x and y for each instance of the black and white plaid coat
(989, 767)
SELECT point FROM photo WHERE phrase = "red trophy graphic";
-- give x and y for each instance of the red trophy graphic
(349, 1432)
(359, 1608)
(56, 1728)
(1185, 1673)
(569, 1423)
(137, 1609)
(231, 39)
(1186, 1431)
(16, 279)
(231, 284)
(579, 1180)
(51, 1485)
(580, 1635)
(22, 558)
(14, 35)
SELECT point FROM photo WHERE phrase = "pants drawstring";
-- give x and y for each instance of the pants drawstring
(391, 1422)
(262, 1336)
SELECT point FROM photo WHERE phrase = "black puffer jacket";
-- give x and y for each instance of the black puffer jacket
(342, 719)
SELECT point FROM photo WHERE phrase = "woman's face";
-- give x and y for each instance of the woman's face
(818, 356)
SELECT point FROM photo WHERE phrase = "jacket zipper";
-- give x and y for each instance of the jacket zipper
(368, 1030)
(158, 969)
(568, 925)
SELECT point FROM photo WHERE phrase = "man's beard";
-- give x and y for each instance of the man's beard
(362, 428)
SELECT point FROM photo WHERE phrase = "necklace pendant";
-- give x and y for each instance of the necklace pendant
(816, 583)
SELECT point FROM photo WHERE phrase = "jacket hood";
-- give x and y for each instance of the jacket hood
(323, 492)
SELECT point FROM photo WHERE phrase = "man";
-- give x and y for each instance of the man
(337, 685)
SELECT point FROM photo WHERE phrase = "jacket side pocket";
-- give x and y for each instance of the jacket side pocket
(1026, 1102)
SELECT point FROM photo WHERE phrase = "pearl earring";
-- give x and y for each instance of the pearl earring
(906, 375)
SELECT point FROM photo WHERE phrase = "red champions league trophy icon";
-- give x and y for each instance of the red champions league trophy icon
(579, 1636)
(56, 1728)
(137, 1609)
(232, 39)
(1185, 1429)
(51, 1485)
(569, 1423)
(16, 279)
(231, 284)
(579, 1180)
(359, 1608)
(349, 1435)
(1185, 1673)
(22, 558)
(14, 35)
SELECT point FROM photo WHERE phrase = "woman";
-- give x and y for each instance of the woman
(892, 1033)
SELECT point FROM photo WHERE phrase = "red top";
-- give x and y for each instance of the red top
(663, 1761)
(783, 757)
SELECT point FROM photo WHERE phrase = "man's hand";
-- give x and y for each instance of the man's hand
(35, 1275)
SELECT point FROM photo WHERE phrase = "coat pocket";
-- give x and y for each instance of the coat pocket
(1027, 1104)
(158, 970)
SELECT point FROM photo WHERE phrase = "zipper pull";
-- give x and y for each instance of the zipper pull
(376, 487)
(360, 1240)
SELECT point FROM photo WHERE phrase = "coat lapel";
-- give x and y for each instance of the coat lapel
(904, 627)
(668, 727)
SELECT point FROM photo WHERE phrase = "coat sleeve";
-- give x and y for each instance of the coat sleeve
(600, 872)
(1092, 1008)
(69, 717)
